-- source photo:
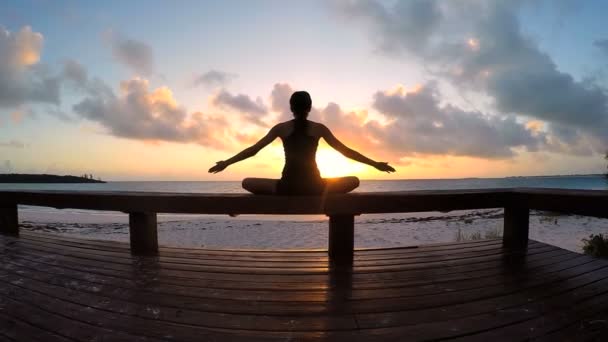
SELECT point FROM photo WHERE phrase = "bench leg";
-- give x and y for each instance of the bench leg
(9, 222)
(516, 226)
(341, 239)
(143, 234)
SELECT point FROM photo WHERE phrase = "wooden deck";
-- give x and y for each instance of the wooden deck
(64, 289)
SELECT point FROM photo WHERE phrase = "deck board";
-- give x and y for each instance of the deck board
(57, 288)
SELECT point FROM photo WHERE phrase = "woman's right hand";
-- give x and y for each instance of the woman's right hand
(219, 167)
(383, 166)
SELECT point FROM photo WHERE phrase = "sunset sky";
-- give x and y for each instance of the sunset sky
(160, 90)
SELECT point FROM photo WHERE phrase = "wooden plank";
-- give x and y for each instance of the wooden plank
(424, 301)
(511, 296)
(565, 309)
(101, 266)
(252, 291)
(14, 329)
(152, 294)
(590, 327)
(265, 269)
(580, 202)
(145, 302)
(142, 233)
(136, 326)
(464, 315)
(488, 322)
(336, 204)
(183, 285)
(290, 255)
(187, 286)
(9, 222)
(453, 286)
(81, 294)
(254, 294)
(198, 253)
(374, 260)
(111, 244)
(61, 325)
(583, 202)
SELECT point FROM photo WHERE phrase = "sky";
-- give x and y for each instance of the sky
(161, 90)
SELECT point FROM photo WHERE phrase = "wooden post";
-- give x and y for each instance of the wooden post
(516, 226)
(341, 239)
(143, 235)
(9, 222)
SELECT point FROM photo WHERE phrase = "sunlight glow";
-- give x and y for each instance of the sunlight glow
(333, 164)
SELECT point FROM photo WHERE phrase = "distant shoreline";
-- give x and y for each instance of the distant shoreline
(44, 178)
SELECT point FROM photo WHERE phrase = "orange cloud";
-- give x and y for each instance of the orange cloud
(26, 46)
(151, 115)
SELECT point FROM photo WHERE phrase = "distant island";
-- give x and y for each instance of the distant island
(44, 178)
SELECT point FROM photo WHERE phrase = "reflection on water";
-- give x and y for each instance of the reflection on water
(597, 182)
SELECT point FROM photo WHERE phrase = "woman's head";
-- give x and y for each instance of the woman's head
(300, 103)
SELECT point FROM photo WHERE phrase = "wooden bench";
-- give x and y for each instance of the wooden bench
(142, 208)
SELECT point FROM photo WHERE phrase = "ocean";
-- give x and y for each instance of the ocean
(596, 182)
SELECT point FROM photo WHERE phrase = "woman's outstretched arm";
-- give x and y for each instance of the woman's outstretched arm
(352, 154)
(246, 153)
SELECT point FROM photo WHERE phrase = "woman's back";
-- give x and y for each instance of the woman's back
(300, 173)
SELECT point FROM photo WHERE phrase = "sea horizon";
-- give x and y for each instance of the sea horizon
(380, 180)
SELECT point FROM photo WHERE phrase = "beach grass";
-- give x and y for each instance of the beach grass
(596, 246)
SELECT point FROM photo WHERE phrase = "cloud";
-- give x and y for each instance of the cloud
(140, 113)
(405, 25)
(279, 100)
(602, 44)
(214, 78)
(22, 79)
(350, 127)
(74, 72)
(421, 125)
(479, 46)
(12, 144)
(252, 111)
(136, 55)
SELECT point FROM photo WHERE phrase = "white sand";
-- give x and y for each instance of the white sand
(297, 232)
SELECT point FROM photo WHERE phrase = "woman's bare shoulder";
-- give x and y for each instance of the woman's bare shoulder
(318, 127)
(315, 124)
(283, 128)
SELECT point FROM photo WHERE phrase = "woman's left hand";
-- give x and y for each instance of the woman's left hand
(219, 167)
(383, 166)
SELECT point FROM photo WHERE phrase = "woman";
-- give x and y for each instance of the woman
(300, 139)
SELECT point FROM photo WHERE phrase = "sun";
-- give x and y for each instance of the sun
(332, 164)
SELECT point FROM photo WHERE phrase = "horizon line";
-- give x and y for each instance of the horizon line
(372, 179)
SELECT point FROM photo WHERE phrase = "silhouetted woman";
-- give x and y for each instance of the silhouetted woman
(300, 139)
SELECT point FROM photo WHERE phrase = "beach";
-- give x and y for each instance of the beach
(310, 232)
